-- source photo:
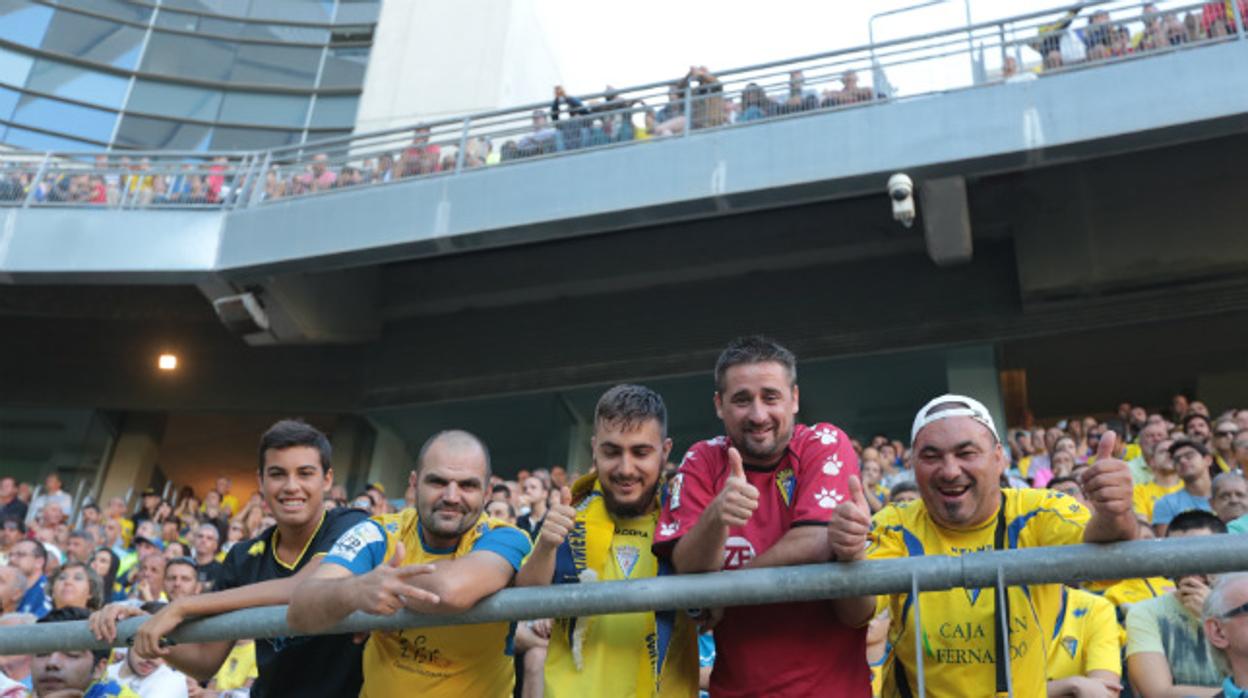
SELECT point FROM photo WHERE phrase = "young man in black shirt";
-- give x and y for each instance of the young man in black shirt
(294, 475)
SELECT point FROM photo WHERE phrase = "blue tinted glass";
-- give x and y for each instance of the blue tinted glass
(188, 57)
(350, 11)
(344, 67)
(14, 67)
(289, 66)
(174, 100)
(99, 41)
(121, 9)
(23, 22)
(224, 138)
(8, 100)
(266, 110)
(33, 140)
(66, 118)
(177, 20)
(64, 80)
(161, 134)
(293, 10)
(334, 112)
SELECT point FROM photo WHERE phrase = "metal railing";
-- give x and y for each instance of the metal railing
(1023, 47)
(1064, 564)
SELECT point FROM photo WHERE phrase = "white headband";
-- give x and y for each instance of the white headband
(965, 407)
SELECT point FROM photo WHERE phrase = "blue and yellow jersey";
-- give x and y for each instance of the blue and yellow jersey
(455, 662)
(958, 633)
(1086, 637)
(1144, 497)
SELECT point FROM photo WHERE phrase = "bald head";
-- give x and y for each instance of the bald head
(453, 444)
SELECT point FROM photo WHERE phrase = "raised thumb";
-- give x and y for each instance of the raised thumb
(735, 467)
(1105, 449)
(396, 560)
(565, 496)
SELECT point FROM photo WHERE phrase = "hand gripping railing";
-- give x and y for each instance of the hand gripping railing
(1068, 564)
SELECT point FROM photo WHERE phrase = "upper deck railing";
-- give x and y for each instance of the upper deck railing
(1016, 49)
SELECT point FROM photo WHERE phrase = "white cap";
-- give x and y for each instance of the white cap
(967, 407)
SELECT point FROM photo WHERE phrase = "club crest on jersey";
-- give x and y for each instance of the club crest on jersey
(1071, 645)
(626, 557)
(674, 486)
(786, 482)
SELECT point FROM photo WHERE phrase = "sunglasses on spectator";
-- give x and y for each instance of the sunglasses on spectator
(1237, 611)
(1226, 433)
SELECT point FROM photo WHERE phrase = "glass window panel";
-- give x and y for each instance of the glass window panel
(23, 22)
(161, 134)
(293, 10)
(97, 40)
(177, 20)
(290, 66)
(237, 8)
(8, 100)
(183, 56)
(357, 11)
(129, 11)
(220, 27)
(265, 110)
(334, 112)
(14, 67)
(70, 81)
(344, 67)
(225, 138)
(34, 140)
(174, 100)
(286, 33)
(62, 117)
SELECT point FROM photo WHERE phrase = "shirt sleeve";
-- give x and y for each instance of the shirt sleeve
(508, 543)
(360, 549)
(337, 523)
(685, 496)
(1062, 519)
(827, 461)
(1103, 651)
(885, 541)
(230, 569)
(1163, 512)
(1142, 632)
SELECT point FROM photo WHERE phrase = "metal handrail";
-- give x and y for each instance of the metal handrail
(1045, 565)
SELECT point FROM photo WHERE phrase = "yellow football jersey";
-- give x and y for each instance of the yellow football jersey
(1086, 637)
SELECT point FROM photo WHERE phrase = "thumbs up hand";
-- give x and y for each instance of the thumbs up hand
(560, 518)
(738, 499)
(850, 524)
(1107, 483)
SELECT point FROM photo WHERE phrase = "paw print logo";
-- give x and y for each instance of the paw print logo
(717, 441)
(669, 529)
(825, 435)
(689, 455)
(832, 466)
(828, 499)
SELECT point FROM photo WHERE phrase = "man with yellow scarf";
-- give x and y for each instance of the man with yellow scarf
(602, 530)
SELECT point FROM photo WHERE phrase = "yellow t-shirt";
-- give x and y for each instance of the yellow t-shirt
(958, 630)
(1131, 452)
(450, 662)
(239, 667)
(615, 644)
(1086, 637)
(1144, 497)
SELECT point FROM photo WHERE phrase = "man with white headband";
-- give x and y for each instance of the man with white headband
(958, 464)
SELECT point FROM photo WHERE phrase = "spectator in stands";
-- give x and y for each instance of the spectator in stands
(708, 101)
(1229, 496)
(443, 556)
(720, 515)
(902, 492)
(12, 589)
(11, 507)
(125, 527)
(147, 579)
(501, 510)
(318, 178)
(611, 511)
(800, 98)
(207, 543)
(1084, 656)
(1164, 478)
(106, 563)
(1197, 428)
(543, 139)
(1167, 653)
(16, 667)
(148, 503)
(536, 493)
(1149, 436)
(1228, 643)
(77, 585)
(52, 493)
(29, 557)
(142, 676)
(958, 463)
(670, 119)
(181, 579)
(1192, 462)
(569, 116)
(755, 104)
(294, 472)
(64, 672)
(1223, 444)
(11, 533)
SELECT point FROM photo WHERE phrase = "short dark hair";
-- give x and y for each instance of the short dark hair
(290, 433)
(1193, 416)
(754, 349)
(182, 561)
(40, 551)
(1062, 480)
(1188, 443)
(1194, 520)
(630, 406)
(902, 487)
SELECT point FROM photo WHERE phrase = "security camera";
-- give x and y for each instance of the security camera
(901, 191)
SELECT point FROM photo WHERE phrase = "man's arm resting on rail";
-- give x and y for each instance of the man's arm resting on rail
(1151, 677)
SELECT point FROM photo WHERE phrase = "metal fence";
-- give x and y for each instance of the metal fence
(1064, 564)
(995, 53)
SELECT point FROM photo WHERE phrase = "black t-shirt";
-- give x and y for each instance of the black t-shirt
(210, 576)
(320, 665)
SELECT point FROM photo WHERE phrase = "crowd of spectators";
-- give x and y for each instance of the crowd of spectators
(698, 100)
(1186, 463)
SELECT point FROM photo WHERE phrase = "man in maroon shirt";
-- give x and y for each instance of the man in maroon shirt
(762, 496)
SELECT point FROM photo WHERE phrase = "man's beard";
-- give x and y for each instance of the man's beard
(632, 510)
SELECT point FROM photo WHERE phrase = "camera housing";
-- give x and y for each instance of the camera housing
(901, 192)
